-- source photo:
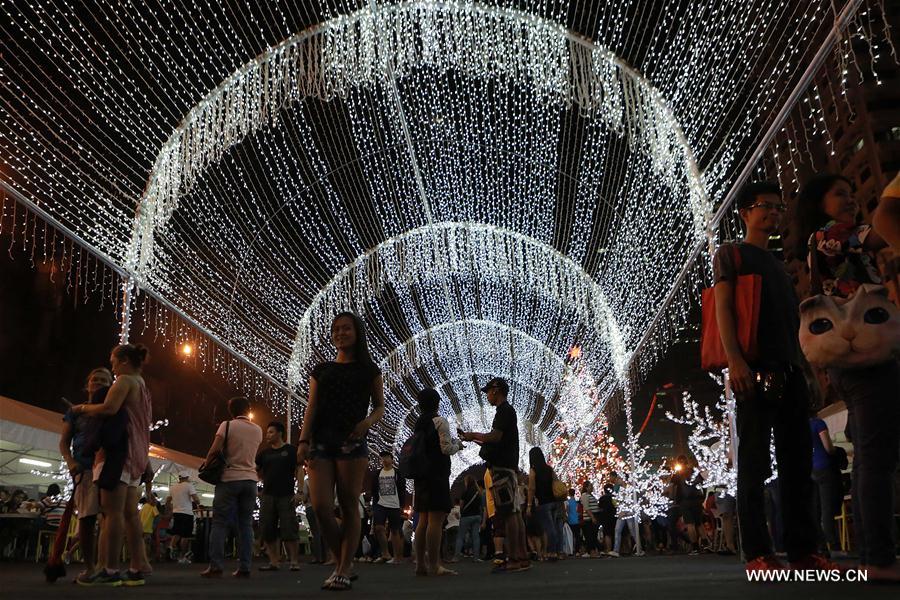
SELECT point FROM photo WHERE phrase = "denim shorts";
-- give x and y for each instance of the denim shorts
(350, 449)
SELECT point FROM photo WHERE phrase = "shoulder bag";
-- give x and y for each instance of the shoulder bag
(747, 298)
(211, 471)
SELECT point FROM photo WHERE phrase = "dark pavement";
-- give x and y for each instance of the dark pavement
(665, 577)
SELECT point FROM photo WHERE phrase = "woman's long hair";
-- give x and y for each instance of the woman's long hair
(537, 461)
(361, 352)
(809, 215)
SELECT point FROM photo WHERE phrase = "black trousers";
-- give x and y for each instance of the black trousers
(827, 504)
(589, 530)
(780, 408)
(873, 411)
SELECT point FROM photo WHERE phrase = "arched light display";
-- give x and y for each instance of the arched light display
(463, 175)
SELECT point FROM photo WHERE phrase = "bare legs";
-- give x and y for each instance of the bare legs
(382, 541)
(346, 476)
(86, 536)
(112, 505)
(428, 544)
(134, 532)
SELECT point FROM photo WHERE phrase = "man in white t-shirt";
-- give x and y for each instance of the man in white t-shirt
(182, 530)
(387, 495)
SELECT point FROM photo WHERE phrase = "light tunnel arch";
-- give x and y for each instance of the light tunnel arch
(531, 362)
(348, 51)
(476, 249)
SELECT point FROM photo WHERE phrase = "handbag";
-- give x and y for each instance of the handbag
(747, 299)
(211, 470)
(560, 489)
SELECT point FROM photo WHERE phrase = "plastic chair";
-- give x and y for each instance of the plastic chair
(719, 536)
(843, 529)
(49, 534)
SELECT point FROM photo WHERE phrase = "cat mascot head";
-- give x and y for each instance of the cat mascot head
(862, 331)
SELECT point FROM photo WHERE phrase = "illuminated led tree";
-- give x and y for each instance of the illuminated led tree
(710, 442)
(643, 486)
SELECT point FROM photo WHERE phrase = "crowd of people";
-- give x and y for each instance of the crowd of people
(503, 515)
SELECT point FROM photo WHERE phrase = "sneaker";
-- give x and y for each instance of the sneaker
(268, 567)
(82, 575)
(184, 560)
(476, 559)
(379, 560)
(762, 564)
(817, 562)
(613, 554)
(641, 553)
(394, 561)
(101, 578)
(133, 578)
(585, 555)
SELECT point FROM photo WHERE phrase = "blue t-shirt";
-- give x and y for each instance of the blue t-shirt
(84, 438)
(821, 458)
(572, 511)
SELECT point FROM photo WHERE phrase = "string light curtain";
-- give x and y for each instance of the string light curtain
(487, 184)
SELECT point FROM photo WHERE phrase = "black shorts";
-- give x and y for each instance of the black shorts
(278, 518)
(345, 451)
(393, 516)
(498, 525)
(182, 525)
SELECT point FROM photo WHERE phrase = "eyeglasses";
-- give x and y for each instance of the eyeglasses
(769, 206)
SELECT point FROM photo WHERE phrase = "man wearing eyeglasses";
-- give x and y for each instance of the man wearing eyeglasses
(500, 450)
(770, 389)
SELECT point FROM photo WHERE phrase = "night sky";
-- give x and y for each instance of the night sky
(49, 342)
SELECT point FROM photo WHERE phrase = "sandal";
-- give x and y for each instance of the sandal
(339, 583)
(327, 583)
(443, 571)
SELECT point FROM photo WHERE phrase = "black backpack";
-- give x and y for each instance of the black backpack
(414, 462)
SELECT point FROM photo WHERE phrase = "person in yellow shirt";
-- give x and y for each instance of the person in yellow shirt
(496, 524)
(148, 514)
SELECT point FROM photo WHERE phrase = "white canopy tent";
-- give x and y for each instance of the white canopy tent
(30, 458)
